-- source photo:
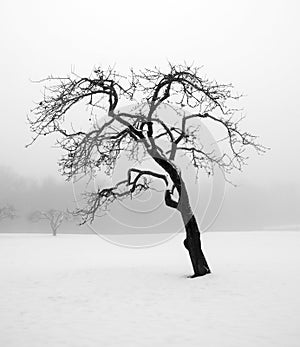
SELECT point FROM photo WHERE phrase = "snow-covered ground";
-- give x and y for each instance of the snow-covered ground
(78, 290)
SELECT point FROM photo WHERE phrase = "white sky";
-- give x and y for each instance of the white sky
(253, 44)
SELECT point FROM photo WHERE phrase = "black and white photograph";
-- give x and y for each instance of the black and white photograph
(149, 173)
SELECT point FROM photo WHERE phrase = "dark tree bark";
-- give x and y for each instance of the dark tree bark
(193, 244)
(192, 241)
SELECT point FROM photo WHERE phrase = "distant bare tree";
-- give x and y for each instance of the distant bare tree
(55, 218)
(7, 212)
(139, 132)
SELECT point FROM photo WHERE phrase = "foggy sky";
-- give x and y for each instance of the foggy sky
(253, 44)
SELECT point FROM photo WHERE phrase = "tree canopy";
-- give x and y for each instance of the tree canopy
(141, 131)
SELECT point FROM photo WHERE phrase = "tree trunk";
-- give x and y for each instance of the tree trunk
(193, 244)
(53, 230)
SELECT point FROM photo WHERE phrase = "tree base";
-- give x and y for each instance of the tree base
(205, 271)
(193, 244)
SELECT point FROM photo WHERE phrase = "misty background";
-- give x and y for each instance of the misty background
(254, 45)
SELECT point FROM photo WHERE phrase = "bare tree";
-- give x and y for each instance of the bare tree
(7, 212)
(139, 132)
(55, 218)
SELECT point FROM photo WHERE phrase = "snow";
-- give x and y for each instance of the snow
(79, 290)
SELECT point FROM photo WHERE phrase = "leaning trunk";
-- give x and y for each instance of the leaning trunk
(193, 244)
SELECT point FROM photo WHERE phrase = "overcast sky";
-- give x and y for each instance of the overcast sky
(253, 44)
